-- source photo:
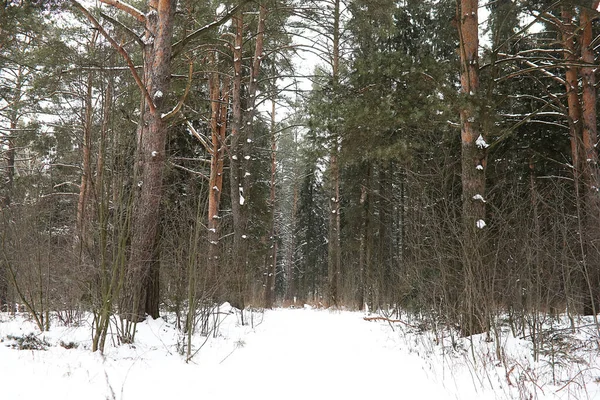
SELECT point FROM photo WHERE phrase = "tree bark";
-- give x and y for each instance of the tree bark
(84, 188)
(241, 142)
(290, 271)
(9, 175)
(9, 141)
(473, 162)
(235, 153)
(334, 251)
(219, 104)
(572, 89)
(590, 165)
(142, 280)
(272, 257)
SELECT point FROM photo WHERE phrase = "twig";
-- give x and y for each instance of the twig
(570, 381)
(394, 321)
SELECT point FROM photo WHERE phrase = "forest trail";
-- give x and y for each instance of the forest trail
(289, 354)
(310, 354)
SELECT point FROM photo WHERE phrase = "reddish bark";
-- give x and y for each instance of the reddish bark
(473, 161)
(142, 280)
(219, 102)
(572, 88)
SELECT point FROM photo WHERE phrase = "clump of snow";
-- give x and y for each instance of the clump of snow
(480, 224)
(478, 197)
(479, 167)
(481, 143)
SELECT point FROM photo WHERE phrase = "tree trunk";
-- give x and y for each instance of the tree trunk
(290, 274)
(590, 166)
(241, 142)
(473, 162)
(142, 281)
(219, 105)
(237, 191)
(9, 142)
(9, 175)
(10, 164)
(362, 257)
(86, 175)
(272, 258)
(334, 251)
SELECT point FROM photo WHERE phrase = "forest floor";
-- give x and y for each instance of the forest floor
(296, 354)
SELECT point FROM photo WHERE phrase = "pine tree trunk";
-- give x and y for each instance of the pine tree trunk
(9, 175)
(237, 194)
(9, 142)
(10, 164)
(142, 281)
(362, 258)
(334, 251)
(290, 272)
(240, 157)
(473, 162)
(272, 257)
(219, 105)
(590, 166)
(84, 188)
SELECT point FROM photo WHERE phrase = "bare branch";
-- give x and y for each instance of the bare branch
(177, 47)
(121, 51)
(191, 171)
(176, 109)
(134, 12)
(200, 138)
(125, 28)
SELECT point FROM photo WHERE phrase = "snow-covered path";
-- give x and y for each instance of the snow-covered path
(305, 354)
(292, 354)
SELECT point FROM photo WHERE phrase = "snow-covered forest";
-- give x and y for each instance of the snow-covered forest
(180, 177)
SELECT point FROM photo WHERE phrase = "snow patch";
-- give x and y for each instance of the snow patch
(481, 143)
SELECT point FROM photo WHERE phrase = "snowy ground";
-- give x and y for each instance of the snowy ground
(291, 354)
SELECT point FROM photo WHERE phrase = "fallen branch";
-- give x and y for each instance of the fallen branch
(392, 321)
